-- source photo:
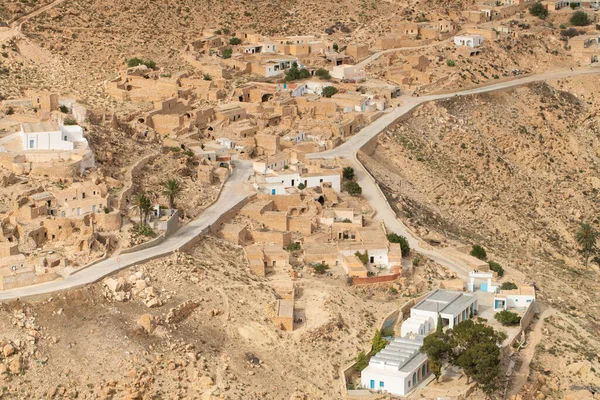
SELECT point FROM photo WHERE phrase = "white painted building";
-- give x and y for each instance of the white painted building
(48, 136)
(516, 298)
(277, 182)
(454, 307)
(468, 40)
(278, 67)
(482, 281)
(226, 142)
(398, 368)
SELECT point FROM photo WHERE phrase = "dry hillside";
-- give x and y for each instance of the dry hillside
(515, 171)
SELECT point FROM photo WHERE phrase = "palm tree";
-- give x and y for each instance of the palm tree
(586, 237)
(142, 203)
(172, 190)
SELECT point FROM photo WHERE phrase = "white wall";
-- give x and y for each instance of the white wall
(518, 301)
(391, 384)
(315, 181)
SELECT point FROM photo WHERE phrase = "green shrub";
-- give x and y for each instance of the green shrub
(580, 18)
(134, 62)
(143, 230)
(227, 52)
(361, 362)
(207, 77)
(478, 252)
(509, 286)
(329, 91)
(494, 266)
(353, 188)
(294, 246)
(538, 10)
(235, 41)
(322, 73)
(301, 186)
(451, 63)
(404, 246)
(348, 173)
(507, 318)
(69, 121)
(320, 268)
(363, 257)
(10, 110)
(573, 6)
(562, 26)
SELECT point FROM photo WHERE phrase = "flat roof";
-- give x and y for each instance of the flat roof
(46, 126)
(285, 308)
(445, 302)
(401, 353)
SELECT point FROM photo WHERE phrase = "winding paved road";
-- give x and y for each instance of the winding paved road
(237, 188)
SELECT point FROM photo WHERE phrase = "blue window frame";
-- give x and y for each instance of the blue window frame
(381, 384)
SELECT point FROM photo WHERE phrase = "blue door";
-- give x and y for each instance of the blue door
(372, 383)
(483, 287)
(273, 191)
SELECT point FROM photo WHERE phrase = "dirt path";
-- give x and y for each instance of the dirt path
(16, 25)
(519, 378)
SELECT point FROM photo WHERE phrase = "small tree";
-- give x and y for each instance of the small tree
(573, 6)
(361, 362)
(348, 173)
(235, 41)
(143, 205)
(353, 188)
(580, 18)
(438, 350)
(507, 318)
(508, 286)
(320, 268)
(323, 74)
(478, 252)
(404, 246)
(440, 324)
(538, 10)
(172, 189)
(336, 47)
(227, 52)
(329, 91)
(301, 186)
(586, 236)
(378, 342)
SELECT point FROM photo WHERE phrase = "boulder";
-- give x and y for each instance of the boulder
(8, 350)
(146, 322)
(15, 366)
(113, 285)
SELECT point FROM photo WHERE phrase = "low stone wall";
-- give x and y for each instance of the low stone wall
(375, 279)
(142, 246)
(127, 192)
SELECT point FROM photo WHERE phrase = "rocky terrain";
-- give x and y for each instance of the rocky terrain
(189, 325)
(515, 171)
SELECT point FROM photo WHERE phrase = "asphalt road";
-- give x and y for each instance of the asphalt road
(237, 188)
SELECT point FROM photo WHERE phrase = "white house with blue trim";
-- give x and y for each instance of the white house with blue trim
(398, 368)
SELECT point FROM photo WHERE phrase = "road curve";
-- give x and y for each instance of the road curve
(237, 188)
(371, 190)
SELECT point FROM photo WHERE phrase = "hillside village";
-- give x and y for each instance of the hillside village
(315, 167)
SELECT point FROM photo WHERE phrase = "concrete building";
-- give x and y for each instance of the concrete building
(468, 40)
(454, 307)
(398, 368)
(48, 136)
(519, 298)
(476, 277)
